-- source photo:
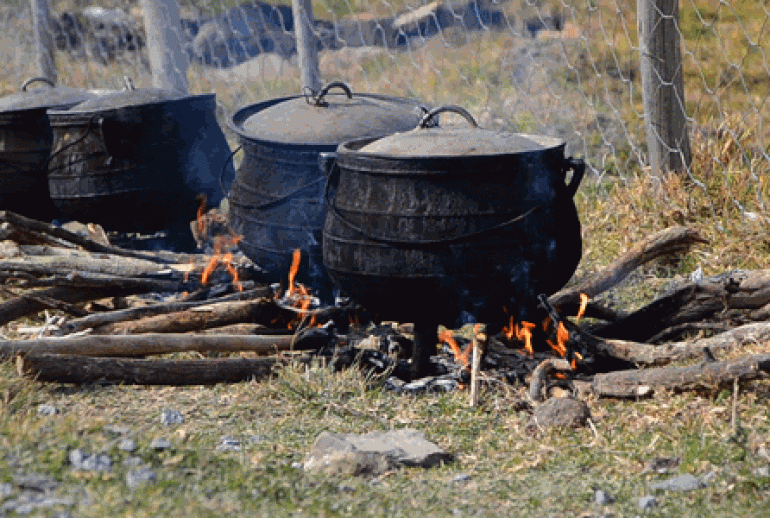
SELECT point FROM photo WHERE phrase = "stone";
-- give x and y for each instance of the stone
(160, 444)
(647, 502)
(128, 445)
(601, 497)
(84, 461)
(461, 478)
(30, 501)
(562, 412)
(170, 416)
(684, 482)
(35, 482)
(227, 443)
(47, 410)
(140, 477)
(372, 453)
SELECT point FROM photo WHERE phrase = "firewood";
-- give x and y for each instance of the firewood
(541, 373)
(145, 345)
(78, 261)
(125, 315)
(670, 241)
(693, 302)
(59, 368)
(195, 319)
(643, 382)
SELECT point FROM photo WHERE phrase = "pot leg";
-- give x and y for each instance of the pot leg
(425, 340)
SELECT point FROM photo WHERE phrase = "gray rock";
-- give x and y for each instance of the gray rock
(762, 472)
(140, 477)
(47, 410)
(128, 445)
(6, 490)
(132, 461)
(227, 443)
(648, 502)
(372, 453)
(663, 465)
(35, 482)
(169, 416)
(115, 430)
(601, 497)
(84, 461)
(160, 444)
(30, 501)
(684, 482)
(461, 478)
(560, 412)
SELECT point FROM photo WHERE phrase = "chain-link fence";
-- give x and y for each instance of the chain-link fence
(570, 68)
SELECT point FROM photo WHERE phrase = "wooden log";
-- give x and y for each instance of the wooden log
(58, 368)
(643, 382)
(144, 345)
(198, 318)
(671, 241)
(125, 315)
(77, 261)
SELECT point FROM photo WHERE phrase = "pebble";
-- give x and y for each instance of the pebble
(170, 416)
(228, 443)
(601, 497)
(128, 445)
(762, 472)
(36, 482)
(140, 477)
(160, 444)
(29, 501)
(6, 490)
(686, 482)
(460, 478)
(648, 502)
(84, 461)
(47, 410)
(344, 488)
(132, 461)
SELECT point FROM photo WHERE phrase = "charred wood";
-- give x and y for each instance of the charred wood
(59, 368)
(710, 375)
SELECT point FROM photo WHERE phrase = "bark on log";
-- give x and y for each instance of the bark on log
(646, 354)
(125, 315)
(638, 383)
(674, 240)
(218, 314)
(77, 261)
(149, 344)
(57, 368)
(693, 302)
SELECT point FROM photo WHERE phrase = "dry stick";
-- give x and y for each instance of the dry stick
(149, 344)
(670, 241)
(637, 383)
(125, 315)
(198, 318)
(542, 372)
(477, 343)
(58, 368)
(647, 354)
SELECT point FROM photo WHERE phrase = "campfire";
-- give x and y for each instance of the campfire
(118, 309)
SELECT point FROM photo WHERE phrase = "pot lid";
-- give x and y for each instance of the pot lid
(429, 139)
(125, 98)
(330, 119)
(43, 97)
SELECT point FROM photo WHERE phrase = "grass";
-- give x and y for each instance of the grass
(594, 95)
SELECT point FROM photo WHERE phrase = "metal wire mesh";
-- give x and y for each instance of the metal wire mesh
(566, 68)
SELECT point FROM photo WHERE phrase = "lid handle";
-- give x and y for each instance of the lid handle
(35, 80)
(426, 120)
(317, 98)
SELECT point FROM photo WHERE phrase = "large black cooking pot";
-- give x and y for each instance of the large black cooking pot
(276, 198)
(441, 225)
(135, 160)
(26, 141)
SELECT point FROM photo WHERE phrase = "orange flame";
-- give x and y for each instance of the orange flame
(201, 222)
(448, 338)
(562, 336)
(220, 242)
(524, 333)
(583, 306)
(295, 259)
(299, 292)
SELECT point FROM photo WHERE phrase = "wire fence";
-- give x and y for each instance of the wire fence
(569, 68)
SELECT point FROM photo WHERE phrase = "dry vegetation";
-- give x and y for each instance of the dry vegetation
(551, 473)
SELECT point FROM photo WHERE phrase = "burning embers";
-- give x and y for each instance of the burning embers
(298, 295)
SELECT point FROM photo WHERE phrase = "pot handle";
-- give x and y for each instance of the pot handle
(317, 98)
(578, 167)
(224, 168)
(31, 80)
(427, 118)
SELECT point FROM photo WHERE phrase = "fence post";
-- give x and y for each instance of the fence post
(163, 27)
(307, 50)
(42, 28)
(662, 88)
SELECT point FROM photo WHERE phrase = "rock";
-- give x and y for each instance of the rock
(160, 444)
(762, 472)
(29, 501)
(169, 416)
(564, 412)
(33, 482)
(227, 443)
(372, 453)
(663, 465)
(84, 461)
(648, 502)
(685, 482)
(128, 445)
(461, 478)
(48, 410)
(6, 490)
(601, 497)
(140, 477)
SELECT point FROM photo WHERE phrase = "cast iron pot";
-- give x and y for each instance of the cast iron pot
(445, 225)
(276, 199)
(135, 160)
(26, 141)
